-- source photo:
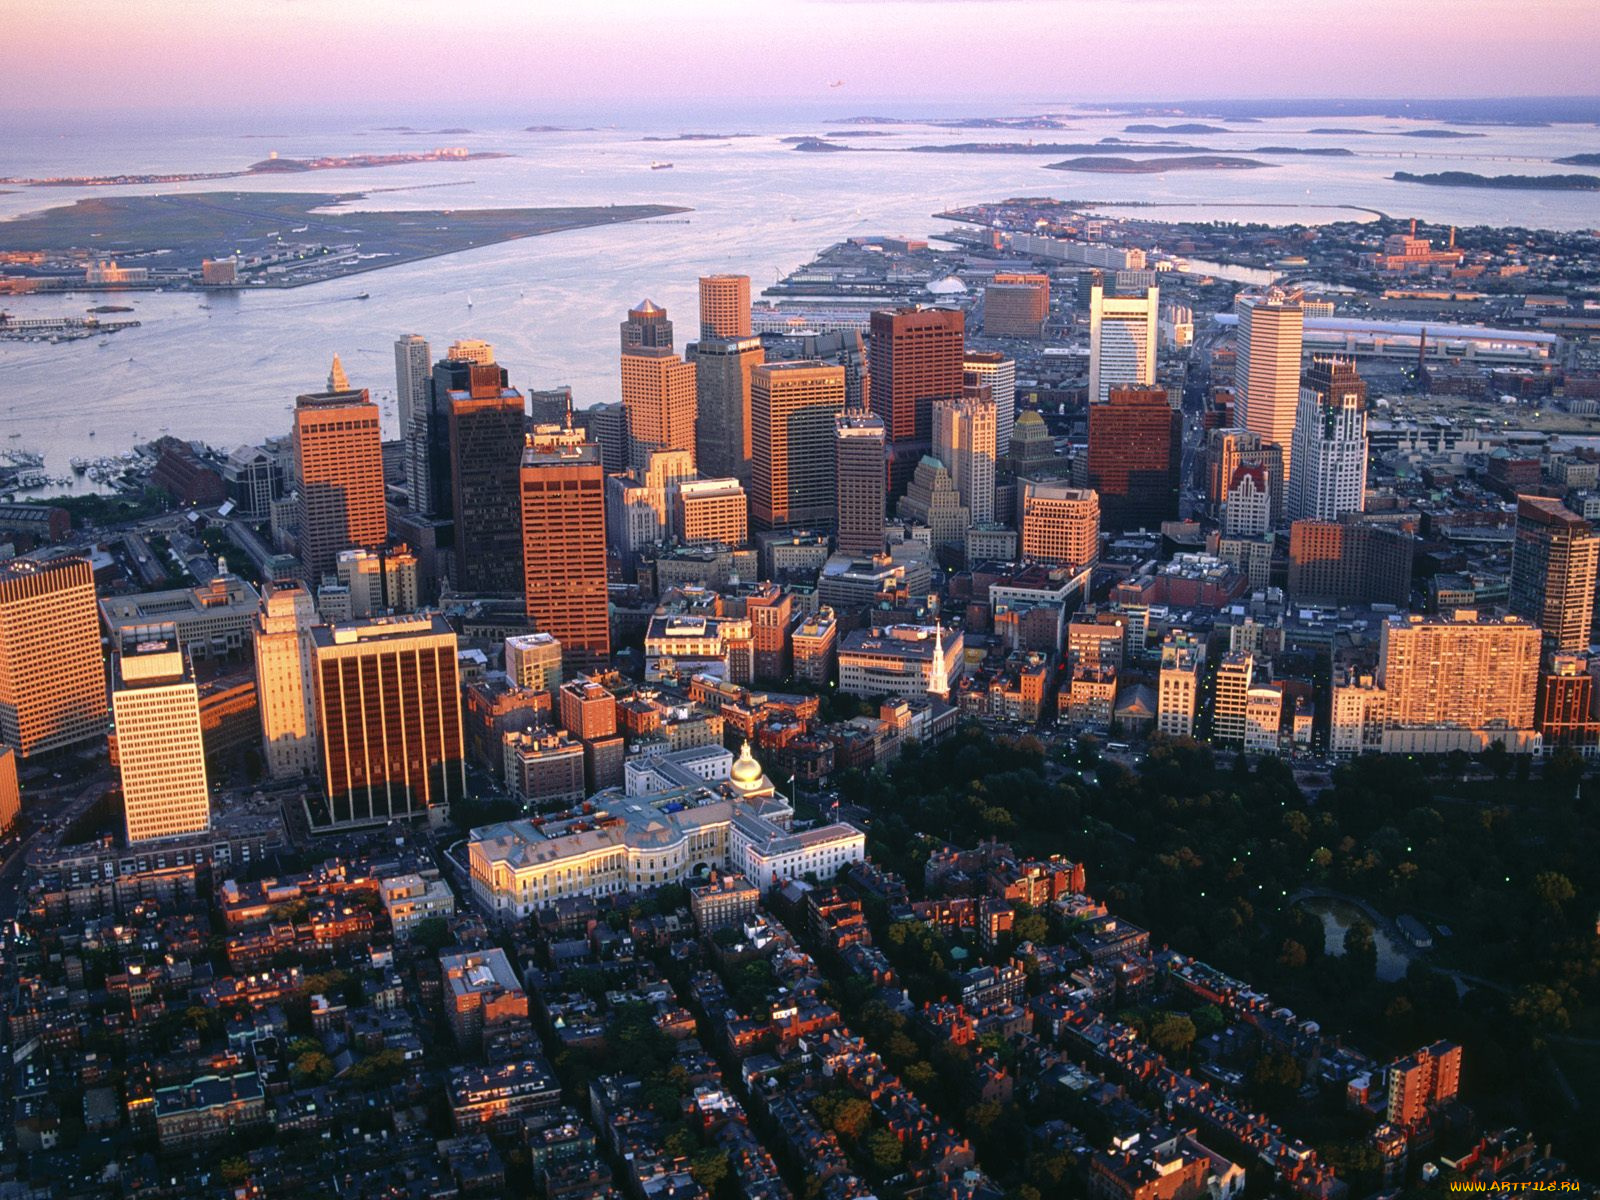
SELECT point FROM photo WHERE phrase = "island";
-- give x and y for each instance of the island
(1323, 151)
(1440, 133)
(696, 137)
(1110, 146)
(1155, 166)
(1580, 160)
(818, 146)
(1543, 183)
(275, 239)
(1191, 127)
(856, 133)
(272, 165)
(1345, 132)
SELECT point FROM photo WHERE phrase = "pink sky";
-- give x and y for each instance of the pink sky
(519, 55)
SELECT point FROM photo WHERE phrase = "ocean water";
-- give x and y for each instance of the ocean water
(225, 368)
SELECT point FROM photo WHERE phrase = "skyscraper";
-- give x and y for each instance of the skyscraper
(710, 511)
(722, 368)
(861, 479)
(1553, 563)
(1060, 524)
(1330, 442)
(411, 388)
(487, 423)
(338, 455)
(915, 358)
(658, 387)
(1461, 671)
(1178, 685)
(52, 674)
(1135, 449)
(284, 687)
(453, 373)
(156, 718)
(1000, 373)
(932, 499)
(792, 410)
(1122, 340)
(964, 440)
(564, 542)
(1266, 370)
(725, 306)
(388, 703)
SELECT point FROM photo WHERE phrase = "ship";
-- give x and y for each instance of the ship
(364, 296)
(80, 465)
(660, 166)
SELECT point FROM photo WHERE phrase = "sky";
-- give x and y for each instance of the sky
(524, 57)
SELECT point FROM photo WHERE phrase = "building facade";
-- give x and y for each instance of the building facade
(792, 411)
(1122, 341)
(338, 455)
(160, 752)
(52, 673)
(564, 543)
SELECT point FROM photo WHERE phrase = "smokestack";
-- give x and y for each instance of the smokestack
(1452, 237)
(1413, 227)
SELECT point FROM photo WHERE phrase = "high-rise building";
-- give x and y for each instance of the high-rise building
(52, 672)
(722, 369)
(1419, 1081)
(1248, 510)
(564, 542)
(161, 757)
(861, 479)
(724, 306)
(915, 358)
(647, 328)
(429, 456)
(1329, 454)
(1016, 305)
(964, 440)
(10, 789)
(1459, 671)
(338, 455)
(1060, 524)
(792, 410)
(1135, 450)
(1566, 714)
(932, 499)
(1000, 373)
(658, 387)
(377, 582)
(607, 427)
(1349, 562)
(533, 660)
(412, 379)
(1122, 340)
(711, 511)
(284, 688)
(1266, 369)
(770, 609)
(487, 423)
(1231, 698)
(1553, 564)
(388, 703)
(1178, 686)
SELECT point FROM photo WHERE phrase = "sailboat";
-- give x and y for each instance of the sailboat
(469, 301)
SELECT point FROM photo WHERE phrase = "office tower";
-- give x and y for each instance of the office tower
(1553, 564)
(52, 673)
(10, 789)
(724, 306)
(1135, 450)
(1349, 562)
(161, 758)
(932, 499)
(549, 406)
(1565, 715)
(647, 329)
(861, 480)
(658, 387)
(411, 388)
(533, 660)
(1247, 511)
(1033, 448)
(792, 410)
(915, 358)
(564, 542)
(1266, 369)
(1462, 671)
(607, 427)
(639, 504)
(964, 441)
(771, 611)
(381, 581)
(338, 455)
(284, 687)
(388, 702)
(1183, 659)
(463, 362)
(722, 368)
(1235, 674)
(1016, 305)
(1000, 373)
(1225, 450)
(1419, 1081)
(1122, 340)
(711, 511)
(1060, 524)
(487, 423)
(1330, 442)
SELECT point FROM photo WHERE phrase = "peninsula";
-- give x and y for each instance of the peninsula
(272, 165)
(1467, 179)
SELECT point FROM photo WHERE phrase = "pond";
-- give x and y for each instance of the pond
(1337, 916)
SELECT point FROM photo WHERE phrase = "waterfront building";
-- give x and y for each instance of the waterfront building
(160, 754)
(52, 673)
(338, 455)
(1122, 341)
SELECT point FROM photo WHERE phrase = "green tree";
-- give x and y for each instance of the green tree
(884, 1150)
(1554, 890)
(432, 934)
(1173, 1034)
(235, 1171)
(313, 1067)
(710, 1168)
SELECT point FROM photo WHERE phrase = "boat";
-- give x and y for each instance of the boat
(660, 166)
(364, 296)
(79, 465)
(469, 301)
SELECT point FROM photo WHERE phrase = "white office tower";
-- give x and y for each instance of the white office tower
(1000, 373)
(1330, 443)
(1266, 371)
(1122, 341)
(964, 440)
(284, 689)
(413, 374)
(155, 710)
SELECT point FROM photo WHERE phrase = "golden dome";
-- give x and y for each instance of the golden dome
(746, 773)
